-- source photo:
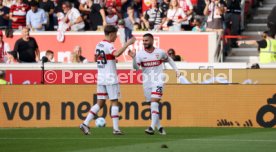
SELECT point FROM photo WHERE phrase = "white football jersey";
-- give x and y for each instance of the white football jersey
(107, 71)
(152, 66)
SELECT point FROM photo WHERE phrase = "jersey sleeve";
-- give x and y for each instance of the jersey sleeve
(111, 49)
(164, 55)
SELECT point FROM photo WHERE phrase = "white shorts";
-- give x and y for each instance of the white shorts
(153, 91)
(111, 92)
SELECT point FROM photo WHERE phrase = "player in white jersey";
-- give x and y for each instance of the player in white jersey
(151, 59)
(107, 83)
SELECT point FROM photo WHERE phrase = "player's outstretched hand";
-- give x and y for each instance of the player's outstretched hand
(131, 40)
(131, 53)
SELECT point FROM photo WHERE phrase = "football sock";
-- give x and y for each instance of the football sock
(154, 115)
(93, 111)
(115, 117)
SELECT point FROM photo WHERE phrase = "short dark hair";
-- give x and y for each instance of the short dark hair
(34, 3)
(269, 33)
(130, 7)
(48, 52)
(110, 29)
(137, 24)
(171, 50)
(148, 35)
(67, 4)
(198, 20)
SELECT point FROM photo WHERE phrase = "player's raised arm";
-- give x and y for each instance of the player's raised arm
(134, 60)
(121, 50)
(172, 64)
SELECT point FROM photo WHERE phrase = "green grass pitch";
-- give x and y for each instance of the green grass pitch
(135, 140)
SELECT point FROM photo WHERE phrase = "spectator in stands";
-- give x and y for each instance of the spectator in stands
(165, 5)
(36, 17)
(3, 78)
(175, 16)
(137, 6)
(48, 6)
(214, 11)
(131, 19)
(84, 6)
(18, 13)
(136, 27)
(125, 32)
(85, 10)
(9, 3)
(73, 17)
(200, 6)
(198, 27)
(49, 55)
(154, 17)
(27, 48)
(59, 3)
(78, 51)
(74, 58)
(112, 17)
(12, 57)
(232, 16)
(187, 7)
(96, 16)
(4, 16)
(28, 2)
(271, 21)
(172, 54)
(4, 48)
(267, 48)
(116, 5)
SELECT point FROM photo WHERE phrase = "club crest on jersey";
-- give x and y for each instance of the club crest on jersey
(157, 56)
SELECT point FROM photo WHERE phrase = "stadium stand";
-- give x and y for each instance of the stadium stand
(254, 29)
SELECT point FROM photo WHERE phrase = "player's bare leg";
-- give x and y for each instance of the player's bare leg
(115, 117)
(155, 121)
(91, 115)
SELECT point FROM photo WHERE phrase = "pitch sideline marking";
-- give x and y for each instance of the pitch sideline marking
(199, 139)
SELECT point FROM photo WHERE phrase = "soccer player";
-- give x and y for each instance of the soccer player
(107, 83)
(151, 59)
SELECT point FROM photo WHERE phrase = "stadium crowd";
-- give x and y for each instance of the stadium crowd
(222, 16)
(91, 15)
